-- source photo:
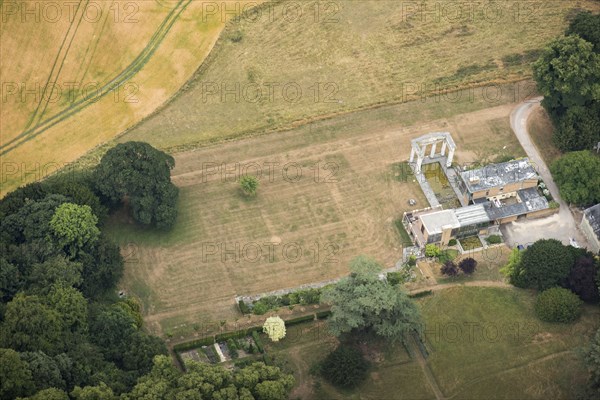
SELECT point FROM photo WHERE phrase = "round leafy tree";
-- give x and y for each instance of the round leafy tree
(558, 305)
(275, 328)
(578, 178)
(249, 185)
(74, 226)
(544, 264)
(141, 174)
(345, 367)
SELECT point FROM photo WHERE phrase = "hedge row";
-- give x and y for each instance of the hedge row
(258, 342)
(254, 331)
(222, 337)
(421, 294)
(299, 320)
(268, 303)
(194, 344)
(323, 314)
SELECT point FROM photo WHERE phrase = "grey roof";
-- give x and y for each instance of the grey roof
(592, 215)
(497, 175)
(471, 215)
(435, 222)
(531, 201)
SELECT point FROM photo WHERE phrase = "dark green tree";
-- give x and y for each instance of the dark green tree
(345, 367)
(568, 74)
(587, 26)
(558, 305)
(578, 128)
(362, 301)
(30, 325)
(111, 330)
(44, 371)
(76, 186)
(71, 306)
(55, 271)
(13, 201)
(10, 280)
(32, 221)
(141, 351)
(49, 394)
(15, 376)
(577, 175)
(544, 264)
(102, 267)
(140, 174)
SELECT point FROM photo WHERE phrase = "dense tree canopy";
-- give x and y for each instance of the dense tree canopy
(545, 264)
(31, 325)
(578, 128)
(15, 376)
(577, 175)
(203, 381)
(141, 174)
(54, 267)
(568, 74)
(363, 301)
(587, 26)
(74, 226)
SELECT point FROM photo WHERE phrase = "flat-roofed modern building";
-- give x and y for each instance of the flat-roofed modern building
(497, 181)
(439, 226)
(497, 194)
(590, 225)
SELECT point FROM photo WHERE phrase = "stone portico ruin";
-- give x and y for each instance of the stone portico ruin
(419, 148)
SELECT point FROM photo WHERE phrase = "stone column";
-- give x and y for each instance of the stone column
(450, 157)
(420, 157)
(433, 147)
(412, 155)
(444, 148)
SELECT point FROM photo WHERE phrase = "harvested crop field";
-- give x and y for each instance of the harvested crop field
(74, 75)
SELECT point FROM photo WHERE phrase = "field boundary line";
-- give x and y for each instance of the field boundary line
(113, 84)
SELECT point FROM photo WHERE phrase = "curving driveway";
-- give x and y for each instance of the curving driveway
(561, 226)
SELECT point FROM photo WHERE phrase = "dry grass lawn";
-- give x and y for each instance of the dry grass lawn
(541, 131)
(357, 54)
(183, 277)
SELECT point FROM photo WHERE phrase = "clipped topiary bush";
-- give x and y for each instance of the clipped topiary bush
(558, 305)
(452, 242)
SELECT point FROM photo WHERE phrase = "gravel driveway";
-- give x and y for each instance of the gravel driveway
(561, 226)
